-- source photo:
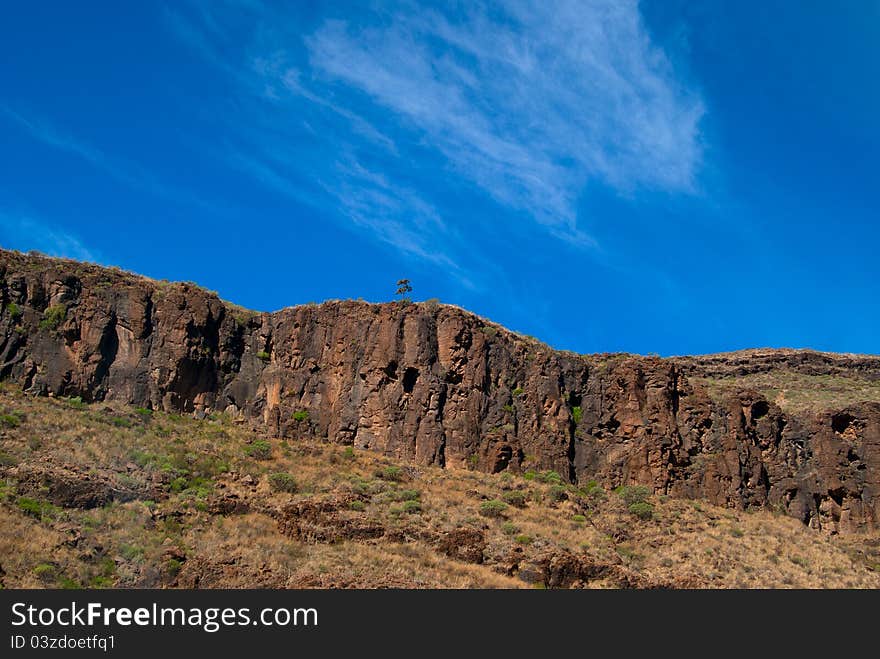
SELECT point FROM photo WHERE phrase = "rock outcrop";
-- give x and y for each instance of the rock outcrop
(432, 384)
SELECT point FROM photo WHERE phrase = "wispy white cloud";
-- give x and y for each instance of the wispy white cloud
(26, 233)
(127, 173)
(523, 101)
(529, 100)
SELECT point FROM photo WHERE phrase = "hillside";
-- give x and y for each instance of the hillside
(435, 386)
(112, 496)
(798, 381)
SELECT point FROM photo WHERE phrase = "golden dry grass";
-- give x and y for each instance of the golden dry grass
(798, 392)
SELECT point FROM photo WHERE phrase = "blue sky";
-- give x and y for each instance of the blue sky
(658, 177)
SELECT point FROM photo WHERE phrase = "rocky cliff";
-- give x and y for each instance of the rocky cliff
(436, 385)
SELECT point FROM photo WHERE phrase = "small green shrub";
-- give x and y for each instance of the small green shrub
(263, 355)
(173, 566)
(281, 482)
(76, 402)
(101, 581)
(107, 566)
(576, 414)
(530, 475)
(131, 552)
(179, 484)
(13, 310)
(515, 498)
(121, 422)
(558, 493)
(144, 412)
(53, 317)
(301, 415)
(7, 460)
(518, 391)
(11, 420)
(489, 331)
(523, 539)
(392, 473)
(509, 528)
(578, 519)
(259, 449)
(348, 453)
(407, 495)
(357, 505)
(493, 508)
(549, 477)
(633, 493)
(35, 508)
(508, 409)
(412, 507)
(593, 494)
(45, 571)
(641, 509)
(66, 583)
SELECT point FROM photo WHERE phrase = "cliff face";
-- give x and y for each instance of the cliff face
(433, 384)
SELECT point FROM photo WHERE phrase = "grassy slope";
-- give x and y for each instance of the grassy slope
(179, 474)
(799, 392)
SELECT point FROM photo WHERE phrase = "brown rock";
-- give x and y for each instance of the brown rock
(463, 544)
(433, 384)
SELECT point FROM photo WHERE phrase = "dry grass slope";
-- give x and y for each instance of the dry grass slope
(100, 496)
(799, 392)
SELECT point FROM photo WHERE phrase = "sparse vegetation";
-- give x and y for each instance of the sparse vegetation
(515, 498)
(263, 355)
(392, 473)
(301, 415)
(281, 482)
(798, 392)
(493, 508)
(259, 449)
(641, 509)
(509, 528)
(549, 477)
(36, 508)
(11, 419)
(13, 310)
(45, 572)
(633, 493)
(76, 402)
(202, 493)
(53, 317)
(412, 507)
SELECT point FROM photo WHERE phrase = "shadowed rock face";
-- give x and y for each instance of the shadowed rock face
(435, 385)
